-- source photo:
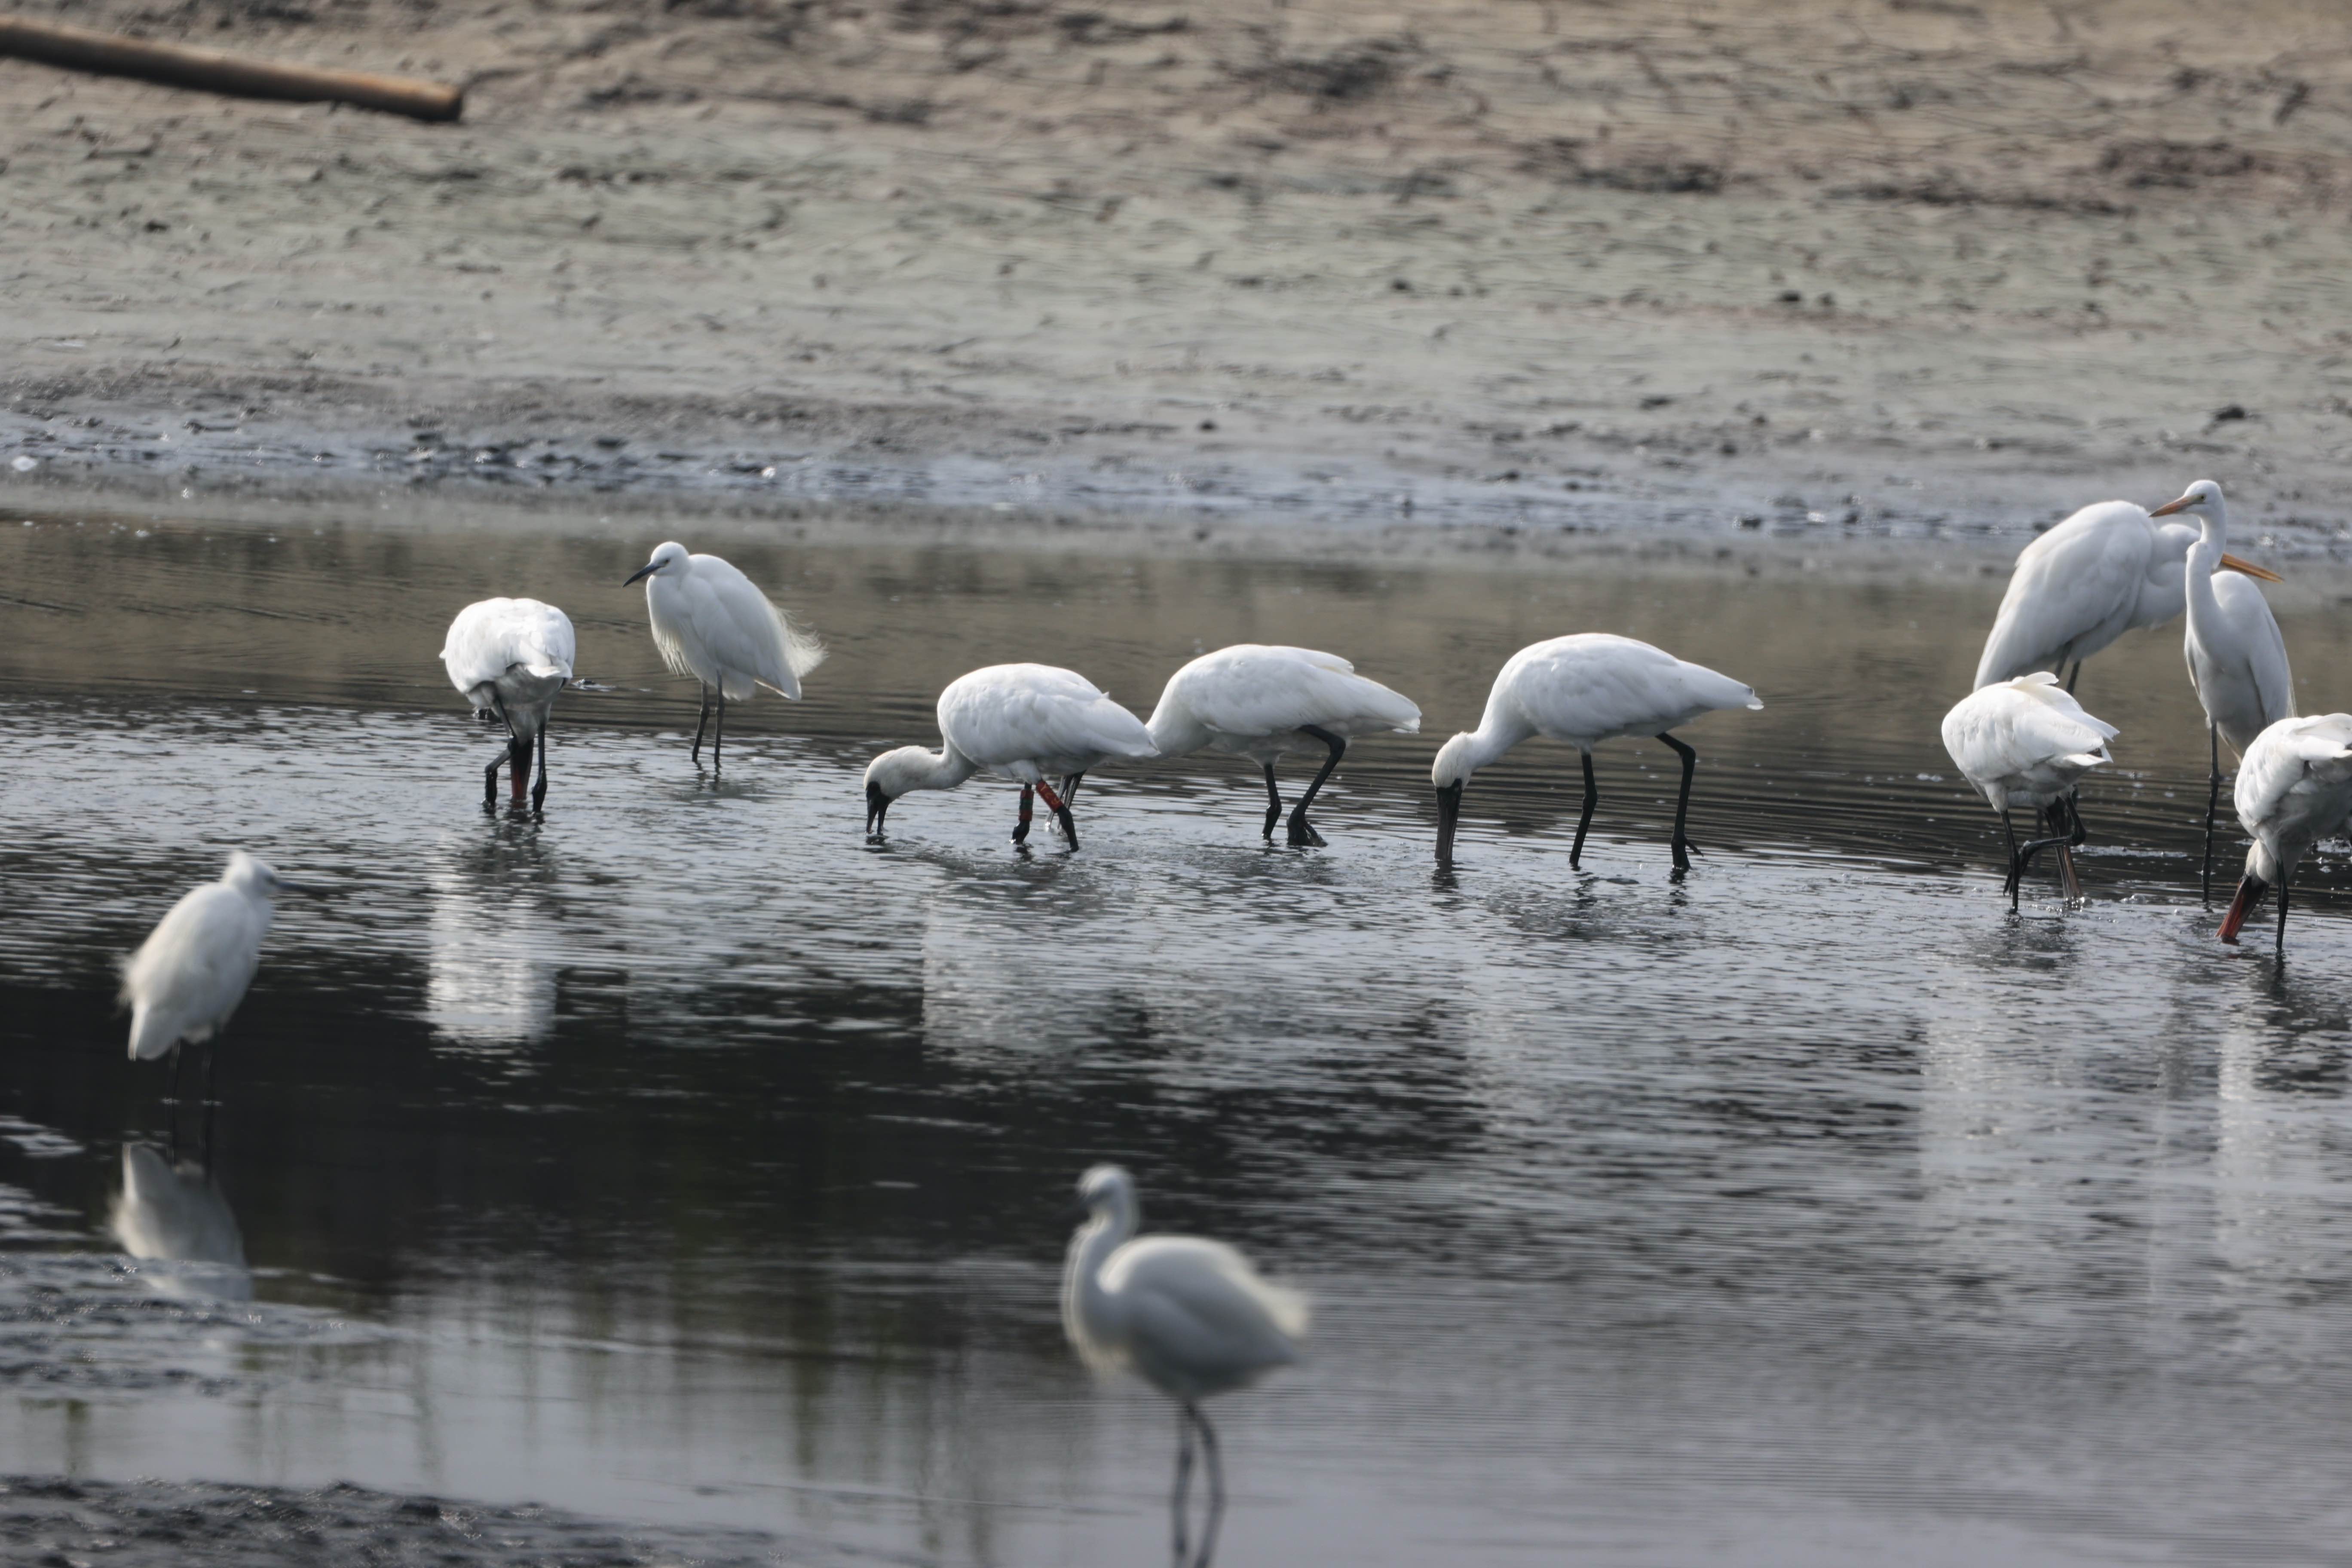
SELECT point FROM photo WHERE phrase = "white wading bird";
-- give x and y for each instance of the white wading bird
(713, 623)
(1261, 702)
(1190, 1317)
(190, 974)
(1031, 722)
(2294, 788)
(2237, 660)
(2026, 743)
(1585, 689)
(2105, 570)
(511, 657)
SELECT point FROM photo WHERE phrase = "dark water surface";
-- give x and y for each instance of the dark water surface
(682, 1159)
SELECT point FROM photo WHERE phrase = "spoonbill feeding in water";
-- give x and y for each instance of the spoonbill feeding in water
(1584, 689)
(1260, 702)
(190, 974)
(1189, 1316)
(511, 657)
(2026, 742)
(2109, 568)
(2294, 788)
(1032, 722)
(713, 623)
(2237, 660)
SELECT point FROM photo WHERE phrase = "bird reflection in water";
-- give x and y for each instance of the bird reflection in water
(172, 1212)
(486, 984)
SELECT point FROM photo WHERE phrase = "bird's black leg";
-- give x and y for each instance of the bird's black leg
(1302, 832)
(173, 1097)
(491, 773)
(719, 730)
(1584, 821)
(1070, 783)
(1021, 829)
(1273, 802)
(2016, 866)
(1684, 847)
(212, 1049)
(2212, 799)
(2076, 675)
(2282, 923)
(1214, 1464)
(539, 790)
(700, 719)
(1061, 810)
(1182, 1495)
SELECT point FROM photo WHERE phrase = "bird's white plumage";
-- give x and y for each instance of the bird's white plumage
(2107, 569)
(190, 974)
(514, 654)
(1584, 689)
(2024, 741)
(1031, 722)
(713, 623)
(1251, 699)
(2294, 788)
(2237, 657)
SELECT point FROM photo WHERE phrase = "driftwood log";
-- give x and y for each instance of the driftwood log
(83, 49)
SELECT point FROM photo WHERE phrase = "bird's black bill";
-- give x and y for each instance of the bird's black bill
(640, 574)
(878, 806)
(1449, 815)
(308, 890)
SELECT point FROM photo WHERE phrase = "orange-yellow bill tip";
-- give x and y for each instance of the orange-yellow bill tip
(2231, 563)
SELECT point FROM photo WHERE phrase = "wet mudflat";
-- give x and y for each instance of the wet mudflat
(682, 1160)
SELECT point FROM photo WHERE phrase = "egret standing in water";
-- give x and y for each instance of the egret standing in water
(712, 622)
(2294, 788)
(1585, 689)
(2237, 660)
(510, 658)
(1190, 1317)
(2026, 742)
(2107, 569)
(1262, 702)
(1032, 722)
(190, 974)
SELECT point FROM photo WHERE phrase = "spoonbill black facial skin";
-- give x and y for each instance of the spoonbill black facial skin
(510, 658)
(2028, 743)
(1190, 1317)
(1584, 689)
(1032, 723)
(2237, 660)
(1264, 703)
(712, 622)
(2294, 788)
(2109, 568)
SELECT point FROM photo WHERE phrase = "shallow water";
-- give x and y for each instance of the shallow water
(682, 1158)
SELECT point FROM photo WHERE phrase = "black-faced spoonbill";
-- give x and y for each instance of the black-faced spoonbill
(1261, 702)
(713, 623)
(190, 974)
(2237, 660)
(511, 657)
(2294, 788)
(2028, 743)
(1190, 1317)
(2105, 570)
(1031, 722)
(1584, 689)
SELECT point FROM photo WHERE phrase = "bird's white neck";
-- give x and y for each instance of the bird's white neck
(1088, 1312)
(2205, 555)
(1497, 734)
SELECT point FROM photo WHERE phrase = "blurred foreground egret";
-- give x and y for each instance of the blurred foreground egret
(2026, 742)
(1027, 722)
(712, 622)
(2294, 788)
(1190, 1317)
(190, 974)
(511, 657)
(1585, 689)
(1260, 702)
(2105, 570)
(2237, 660)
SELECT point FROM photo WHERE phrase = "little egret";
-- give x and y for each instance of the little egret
(2026, 742)
(1260, 702)
(2237, 660)
(1031, 722)
(2109, 568)
(2294, 788)
(1189, 1316)
(511, 657)
(190, 974)
(713, 623)
(1584, 689)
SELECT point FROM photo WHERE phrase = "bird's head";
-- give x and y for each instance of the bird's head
(1108, 1190)
(1449, 773)
(2201, 497)
(669, 557)
(256, 877)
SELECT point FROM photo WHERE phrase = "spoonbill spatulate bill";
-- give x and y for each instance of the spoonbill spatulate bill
(1584, 689)
(510, 658)
(2028, 743)
(1265, 703)
(2294, 788)
(1036, 724)
(1190, 1317)
(192, 970)
(2109, 568)
(2237, 657)
(713, 623)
